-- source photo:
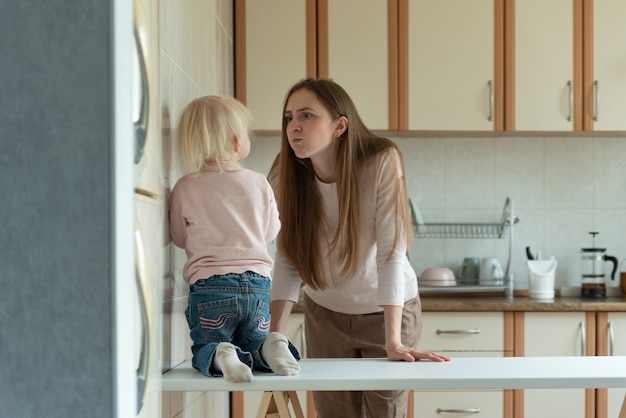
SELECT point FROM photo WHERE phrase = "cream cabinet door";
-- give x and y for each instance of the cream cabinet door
(483, 404)
(607, 100)
(554, 334)
(544, 65)
(616, 341)
(463, 334)
(358, 57)
(450, 64)
(275, 58)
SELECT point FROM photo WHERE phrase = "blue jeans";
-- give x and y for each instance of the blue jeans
(233, 308)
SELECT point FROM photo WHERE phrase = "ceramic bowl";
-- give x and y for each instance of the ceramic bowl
(437, 276)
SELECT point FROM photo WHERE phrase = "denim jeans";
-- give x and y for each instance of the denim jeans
(232, 308)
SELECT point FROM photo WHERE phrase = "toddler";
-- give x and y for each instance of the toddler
(223, 216)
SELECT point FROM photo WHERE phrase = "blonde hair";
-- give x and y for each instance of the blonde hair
(206, 129)
(299, 201)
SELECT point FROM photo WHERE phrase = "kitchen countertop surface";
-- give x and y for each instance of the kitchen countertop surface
(522, 304)
(381, 374)
(448, 303)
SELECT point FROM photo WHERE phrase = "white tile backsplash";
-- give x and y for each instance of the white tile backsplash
(569, 172)
(561, 187)
(195, 59)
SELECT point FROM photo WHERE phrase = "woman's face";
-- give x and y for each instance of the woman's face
(309, 126)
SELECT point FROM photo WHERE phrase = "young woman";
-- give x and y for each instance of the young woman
(342, 200)
(223, 216)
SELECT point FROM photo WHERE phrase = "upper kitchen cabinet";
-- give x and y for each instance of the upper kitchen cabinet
(441, 65)
(357, 48)
(274, 48)
(565, 67)
(451, 65)
(354, 42)
(605, 65)
(540, 59)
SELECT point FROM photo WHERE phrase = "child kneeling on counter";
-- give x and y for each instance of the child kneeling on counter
(223, 216)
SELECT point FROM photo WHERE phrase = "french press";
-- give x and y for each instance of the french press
(593, 259)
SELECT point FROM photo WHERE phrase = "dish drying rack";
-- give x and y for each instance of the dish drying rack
(472, 230)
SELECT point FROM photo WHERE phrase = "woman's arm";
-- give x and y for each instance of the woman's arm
(280, 311)
(393, 343)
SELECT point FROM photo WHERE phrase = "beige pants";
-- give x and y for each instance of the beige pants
(622, 413)
(334, 335)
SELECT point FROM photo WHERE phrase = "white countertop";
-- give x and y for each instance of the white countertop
(458, 374)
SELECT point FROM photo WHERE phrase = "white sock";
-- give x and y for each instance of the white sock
(275, 352)
(227, 361)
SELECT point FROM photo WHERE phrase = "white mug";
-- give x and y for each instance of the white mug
(491, 272)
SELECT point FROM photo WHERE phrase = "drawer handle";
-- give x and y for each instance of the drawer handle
(458, 331)
(459, 411)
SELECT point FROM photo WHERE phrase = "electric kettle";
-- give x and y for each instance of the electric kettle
(593, 259)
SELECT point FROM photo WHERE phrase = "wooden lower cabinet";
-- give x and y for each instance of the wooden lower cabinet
(611, 340)
(542, 334)
(569, 334)
(465, 334)
(483, 404)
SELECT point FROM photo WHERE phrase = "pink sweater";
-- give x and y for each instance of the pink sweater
(224, 221)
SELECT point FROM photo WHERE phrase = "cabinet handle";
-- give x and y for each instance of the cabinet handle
(490, 116)
(458, 331)
(596, 100)
(583, 338)
(459, 411)
(611, 337)
(570, 101)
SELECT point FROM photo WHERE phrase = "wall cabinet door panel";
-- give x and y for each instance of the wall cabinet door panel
(450, 65)
(274, 55)
(605, 98)
(544, 65)
(358, 56)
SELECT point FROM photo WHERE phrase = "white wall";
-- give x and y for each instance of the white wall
(561, 187)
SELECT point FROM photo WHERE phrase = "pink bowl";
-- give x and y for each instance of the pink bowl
(437, 276)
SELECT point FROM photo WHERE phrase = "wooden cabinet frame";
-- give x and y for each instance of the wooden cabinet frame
(240, 45)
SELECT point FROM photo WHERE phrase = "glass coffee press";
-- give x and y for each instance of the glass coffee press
(593, 259)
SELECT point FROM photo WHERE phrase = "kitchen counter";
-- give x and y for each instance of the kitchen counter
(381, 374)
(522, 304)
(517, 304)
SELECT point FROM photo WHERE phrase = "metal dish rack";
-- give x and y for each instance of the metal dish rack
(461, 230)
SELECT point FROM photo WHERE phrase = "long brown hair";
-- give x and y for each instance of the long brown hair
(299, 201)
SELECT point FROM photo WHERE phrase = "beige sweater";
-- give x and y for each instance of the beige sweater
(377, 281)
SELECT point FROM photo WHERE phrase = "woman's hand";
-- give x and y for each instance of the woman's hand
(396, 351)
(402, 353)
